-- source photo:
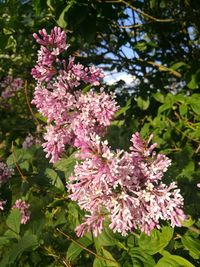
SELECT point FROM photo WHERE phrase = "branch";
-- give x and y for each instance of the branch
(28, 103)
(24, 178)
(162, 68)
(83, 247)
(142, 13)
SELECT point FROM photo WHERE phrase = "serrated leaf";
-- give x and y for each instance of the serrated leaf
(14, 220)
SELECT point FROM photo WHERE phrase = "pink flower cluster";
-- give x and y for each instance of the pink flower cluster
(71, 114)
(23, 208)
(124, 188)
(30, 140)
(10, 86)
(5, 173)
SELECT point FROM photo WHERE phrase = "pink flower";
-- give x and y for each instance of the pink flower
(56, 40)
(72, 114)
(23, 208)
(30, 140)
(123, 188)
(11, 86)
(5, 173)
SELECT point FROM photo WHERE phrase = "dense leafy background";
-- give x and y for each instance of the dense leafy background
(160, 48)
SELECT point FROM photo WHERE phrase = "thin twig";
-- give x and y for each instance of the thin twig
(135, 234)
(24, 178)
(28, 103)
(57, 258)
(178, 130)
(142, 13)
(197, 150)
(131, 26)
(162, 68)
(83, 247)
(194, 229)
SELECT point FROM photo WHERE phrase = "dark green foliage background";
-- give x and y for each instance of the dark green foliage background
(164, 58)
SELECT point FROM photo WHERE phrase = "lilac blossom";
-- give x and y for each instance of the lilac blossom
(11, 86)
(30, 140)
(24, 210)
(70, 113)
(124, 188)
(5, 173)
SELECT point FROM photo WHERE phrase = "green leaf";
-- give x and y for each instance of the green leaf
(55, 179)
(106, 238)
(164, 107)
(27, 242)
(14, 220)
(108, 262)
(143, 103)
(156, 241)
(173, 261)
(61, 20)
(195, 104)
(141, 46)
(183, 109)
(23, 157)
(194, 80)
(123, 110)
(188, 222)
(191, 244)
(159, 97)
(4, 240)
(141, 258)
(66, 165)
(74, 249)
(178, 65)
